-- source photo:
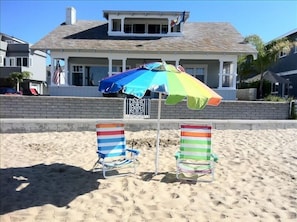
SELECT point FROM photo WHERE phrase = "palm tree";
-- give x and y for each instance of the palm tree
(19, 77)
(245, 67)
(267, 56)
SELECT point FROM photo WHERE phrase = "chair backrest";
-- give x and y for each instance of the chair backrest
(34, 91)
(195, 142)
(111, 139)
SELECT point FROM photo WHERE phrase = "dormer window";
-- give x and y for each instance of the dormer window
(128, 29)
(128, 23)
(116, 25)
(175, 28)
(139, 28)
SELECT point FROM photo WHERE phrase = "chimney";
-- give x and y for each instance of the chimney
(70, 16)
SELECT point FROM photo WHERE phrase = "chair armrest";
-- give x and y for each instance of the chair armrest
(177, 155)
(134, 151)
(214, 157)
(101, 155)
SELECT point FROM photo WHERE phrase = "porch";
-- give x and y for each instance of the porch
(81, 75)
(92, 91)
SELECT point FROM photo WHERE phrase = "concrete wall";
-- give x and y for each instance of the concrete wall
(71, 125)
(247, 94)
(41, 107)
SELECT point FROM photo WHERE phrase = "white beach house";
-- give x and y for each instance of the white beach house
(92, 50)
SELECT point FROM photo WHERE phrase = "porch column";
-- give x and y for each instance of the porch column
(66, 71)
(122, 25)
(234, 74)
(220, 74)
(124, 60)
(52, 70)
(109, 66)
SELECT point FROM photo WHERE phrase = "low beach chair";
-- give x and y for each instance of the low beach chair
(112, 151)
(195, 159)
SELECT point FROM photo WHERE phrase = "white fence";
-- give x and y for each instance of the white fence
(137, 108)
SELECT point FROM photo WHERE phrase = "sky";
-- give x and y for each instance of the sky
(32, 20)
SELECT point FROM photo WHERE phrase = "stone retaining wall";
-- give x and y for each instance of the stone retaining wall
(43, 107)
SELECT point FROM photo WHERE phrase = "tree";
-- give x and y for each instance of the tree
(245, 67)
(18, 77)
(267, 56)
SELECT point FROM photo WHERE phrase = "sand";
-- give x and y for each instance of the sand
(46, 177)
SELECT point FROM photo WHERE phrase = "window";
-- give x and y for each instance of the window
(227, 76)
(138, 28)
(146, 26)
(19, 61)
(22, 61)
(153, 28)
(198, 71)
(157, 29)
(275, 88)
(282, 54)
(164, 29)
(77, 75)
(90, 75)
(295, 49)
(96, 73)
(10, 62)
(121, 68)
(175, 28)
(77, 79)
(77, 68)
(25, 61)
(116, 25)
(128, 28)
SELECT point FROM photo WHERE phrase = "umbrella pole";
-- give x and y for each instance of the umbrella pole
(158, 134)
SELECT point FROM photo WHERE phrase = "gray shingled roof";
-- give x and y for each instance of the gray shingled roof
(205, 37)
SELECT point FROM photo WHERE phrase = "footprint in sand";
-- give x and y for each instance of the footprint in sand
(125, 184)
(174, 195)
(292, 215)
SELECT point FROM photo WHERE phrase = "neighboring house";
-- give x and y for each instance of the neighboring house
(17, 56)
(286, 66)
(278, 85)
(92, 50)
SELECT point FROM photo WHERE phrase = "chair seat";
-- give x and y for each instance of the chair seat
(195, 168)
(116, 164)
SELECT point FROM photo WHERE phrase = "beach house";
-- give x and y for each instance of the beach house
(92, 50)
(16, 56)
(286, 65)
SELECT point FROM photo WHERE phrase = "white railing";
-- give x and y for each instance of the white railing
(137, 108)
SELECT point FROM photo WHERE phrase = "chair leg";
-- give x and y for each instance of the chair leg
(131, 171)
(94, 166)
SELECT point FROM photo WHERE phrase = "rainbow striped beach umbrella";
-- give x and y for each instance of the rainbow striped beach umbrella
(165, 79)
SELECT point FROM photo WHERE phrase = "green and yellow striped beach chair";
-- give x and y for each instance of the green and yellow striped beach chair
(195, 160)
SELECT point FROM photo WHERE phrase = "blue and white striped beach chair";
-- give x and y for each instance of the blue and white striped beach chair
(195, 158)
(112, 151)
